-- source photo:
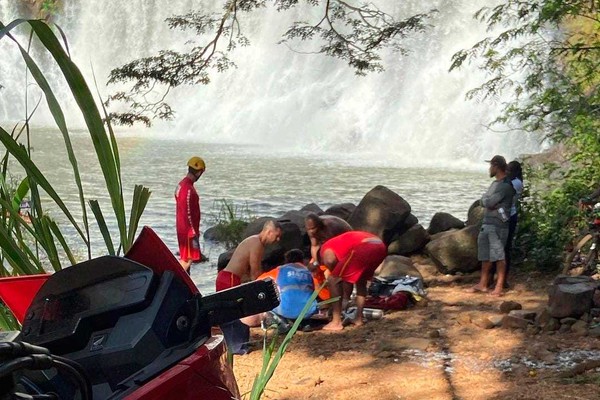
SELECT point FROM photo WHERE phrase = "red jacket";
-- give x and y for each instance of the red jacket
(188, 209)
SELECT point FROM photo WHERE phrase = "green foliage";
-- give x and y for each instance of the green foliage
(544, 56)
(28, 248)
(231, 222)
(353, 33)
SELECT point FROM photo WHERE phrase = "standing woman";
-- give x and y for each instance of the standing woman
(514, 173)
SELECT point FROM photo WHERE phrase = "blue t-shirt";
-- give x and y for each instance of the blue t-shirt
(295, 285)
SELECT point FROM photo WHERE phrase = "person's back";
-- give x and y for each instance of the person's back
(240, 261)
(295, 284)
(335, 226)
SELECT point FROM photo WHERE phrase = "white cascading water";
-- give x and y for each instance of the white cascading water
(413, 114)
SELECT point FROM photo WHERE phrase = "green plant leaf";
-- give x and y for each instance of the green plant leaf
(141, 195)
(91, 115)
(95, 206)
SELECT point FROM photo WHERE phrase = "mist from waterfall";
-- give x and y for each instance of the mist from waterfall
(281, 100)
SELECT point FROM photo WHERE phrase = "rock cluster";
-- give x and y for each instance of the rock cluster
(448, 241)
(573, 306)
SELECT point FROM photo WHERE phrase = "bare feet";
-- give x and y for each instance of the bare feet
(335, 327)
(476, 289)
(497, 293)
(357, 322)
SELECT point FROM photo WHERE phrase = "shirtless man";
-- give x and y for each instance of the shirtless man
(245, 265)
(319, 230)
(352, 258)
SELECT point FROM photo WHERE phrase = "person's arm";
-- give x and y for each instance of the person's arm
(255, 260)
(188, 212)
(502, 191)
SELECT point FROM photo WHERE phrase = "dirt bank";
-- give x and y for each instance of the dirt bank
(434, 352)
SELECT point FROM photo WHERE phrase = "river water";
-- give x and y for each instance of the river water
(260, 180)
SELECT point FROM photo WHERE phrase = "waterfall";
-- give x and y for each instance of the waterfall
(413, 114)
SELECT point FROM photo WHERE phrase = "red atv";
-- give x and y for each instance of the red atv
(132, 327)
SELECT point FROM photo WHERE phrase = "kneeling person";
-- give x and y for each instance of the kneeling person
(295, 284)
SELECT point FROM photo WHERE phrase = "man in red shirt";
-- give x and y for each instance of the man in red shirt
(352, 258)
(188, 214)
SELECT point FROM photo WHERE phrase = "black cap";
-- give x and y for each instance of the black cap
(498, 161)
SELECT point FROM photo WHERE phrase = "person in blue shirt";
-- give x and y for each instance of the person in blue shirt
(296, 285)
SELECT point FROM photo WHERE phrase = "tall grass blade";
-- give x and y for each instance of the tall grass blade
(91, 115)
(141, 195)
(61, 239)
(20, 153)
(95, 206)
(59, 118)
(20, 194)
(17, 259)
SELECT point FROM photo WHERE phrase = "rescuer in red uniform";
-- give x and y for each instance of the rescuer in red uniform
(188, 214)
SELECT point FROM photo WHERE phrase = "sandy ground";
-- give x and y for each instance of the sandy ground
(433, 351)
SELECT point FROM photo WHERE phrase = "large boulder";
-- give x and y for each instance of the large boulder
(571, 296)
(396, 267)
(475, 213)
(312, 207)
(442, 222)
(409, 242)
(342, 211)
(296, 217)
(381, 212)
(455, 251)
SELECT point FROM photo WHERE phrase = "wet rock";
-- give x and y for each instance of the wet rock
(510, 322)
(529, 315)
(508, 306)
(595, 312)
(442, 221)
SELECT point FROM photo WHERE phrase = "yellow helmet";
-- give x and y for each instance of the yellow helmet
(197, 163)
